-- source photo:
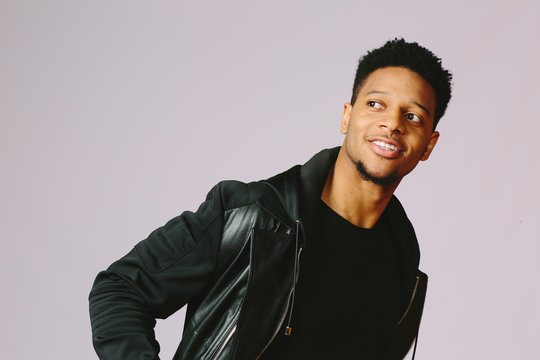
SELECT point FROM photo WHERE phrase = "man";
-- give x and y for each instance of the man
(319, 262)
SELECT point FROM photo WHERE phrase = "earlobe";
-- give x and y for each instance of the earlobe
(347, 108)
(432, 142)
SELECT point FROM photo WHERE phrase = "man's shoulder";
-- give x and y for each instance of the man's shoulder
(404, 232)
(235, 193)
(282, 189)
(399, 219)
(396, 208)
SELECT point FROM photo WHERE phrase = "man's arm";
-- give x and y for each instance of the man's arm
(159, 276)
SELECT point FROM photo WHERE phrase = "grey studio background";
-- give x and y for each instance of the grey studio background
(118, 115)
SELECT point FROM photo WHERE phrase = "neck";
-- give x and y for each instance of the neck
(357, 200)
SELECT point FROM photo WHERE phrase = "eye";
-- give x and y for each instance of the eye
(375, 104)
(414, 117)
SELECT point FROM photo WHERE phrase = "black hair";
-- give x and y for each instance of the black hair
(417, 58)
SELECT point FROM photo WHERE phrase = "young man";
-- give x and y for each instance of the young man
(319, 262)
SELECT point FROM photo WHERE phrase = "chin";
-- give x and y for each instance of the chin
(378, 179)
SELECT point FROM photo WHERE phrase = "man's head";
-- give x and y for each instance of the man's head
(399, 53)
(390, 127)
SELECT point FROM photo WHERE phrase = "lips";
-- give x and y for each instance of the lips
(386, 147)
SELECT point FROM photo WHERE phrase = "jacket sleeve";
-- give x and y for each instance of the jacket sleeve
(175, 264)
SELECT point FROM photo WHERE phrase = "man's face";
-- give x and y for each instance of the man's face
(389, 128)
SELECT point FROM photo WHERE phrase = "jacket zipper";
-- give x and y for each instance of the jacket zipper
(290, 300)
(298, 251)
(291, 297)
(411, 301)
(227, 339)
(283, 317)
(277, 330)
(407, 311)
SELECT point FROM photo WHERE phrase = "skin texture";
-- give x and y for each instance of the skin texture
(396, 106)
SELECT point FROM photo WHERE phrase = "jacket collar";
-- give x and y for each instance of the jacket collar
(304, 182)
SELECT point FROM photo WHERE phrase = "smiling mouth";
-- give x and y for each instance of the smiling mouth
(386, 146)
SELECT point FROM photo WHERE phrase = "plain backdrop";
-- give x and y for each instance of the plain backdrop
(116, 116)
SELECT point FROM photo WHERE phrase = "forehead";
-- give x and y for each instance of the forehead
(401, 83)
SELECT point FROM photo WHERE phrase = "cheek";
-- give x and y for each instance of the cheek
(358, 126)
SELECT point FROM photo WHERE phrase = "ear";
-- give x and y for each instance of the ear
(430, 145)
(347, 108)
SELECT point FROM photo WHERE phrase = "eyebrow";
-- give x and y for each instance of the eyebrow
(376, 92)
(414, 102)
(422, 107)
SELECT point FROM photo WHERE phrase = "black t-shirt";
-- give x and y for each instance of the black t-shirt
(348, 295)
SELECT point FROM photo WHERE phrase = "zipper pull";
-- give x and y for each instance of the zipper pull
(288, 328)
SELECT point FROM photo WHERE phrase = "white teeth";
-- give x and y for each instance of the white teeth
(385, 145)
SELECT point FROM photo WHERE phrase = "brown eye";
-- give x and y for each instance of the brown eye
(413, 117)
(375, 104)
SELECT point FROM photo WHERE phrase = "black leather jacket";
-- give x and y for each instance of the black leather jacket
(234, 263)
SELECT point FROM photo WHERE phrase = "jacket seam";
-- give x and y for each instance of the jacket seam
(187, 253)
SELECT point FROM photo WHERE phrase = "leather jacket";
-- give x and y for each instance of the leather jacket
(234, 262)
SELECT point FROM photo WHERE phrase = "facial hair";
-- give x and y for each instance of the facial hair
(381, 181)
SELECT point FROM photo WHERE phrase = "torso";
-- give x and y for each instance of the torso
(348, 294)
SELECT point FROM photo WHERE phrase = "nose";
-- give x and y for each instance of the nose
(393, 121)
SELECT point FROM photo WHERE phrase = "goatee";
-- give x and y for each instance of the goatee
(381, 181)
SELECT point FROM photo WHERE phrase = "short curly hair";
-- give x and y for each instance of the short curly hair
(417, 58)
